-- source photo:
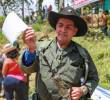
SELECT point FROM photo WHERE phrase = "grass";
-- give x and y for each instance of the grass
(3, 39)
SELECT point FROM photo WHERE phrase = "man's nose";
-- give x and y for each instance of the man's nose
(64, 29)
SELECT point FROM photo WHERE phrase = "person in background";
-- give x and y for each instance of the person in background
(49, 8)
(58, 63)
(45, 12)
(14, 78)
(34, 17)
(103, 21)
(2, 57)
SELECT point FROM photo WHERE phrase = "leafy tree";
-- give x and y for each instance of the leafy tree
(40, 6)
(15, 5)
(59, 4)
(10, 5)
(3, 7)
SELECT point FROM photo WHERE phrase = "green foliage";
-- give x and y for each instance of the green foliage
(39, 19)
(42, 27)
(2, 18)
(94, 34)
(36, 27)
(3, 39)
(87, 9)
(47, 28)
(108, 74)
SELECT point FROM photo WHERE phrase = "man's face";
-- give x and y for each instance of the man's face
(65, 30)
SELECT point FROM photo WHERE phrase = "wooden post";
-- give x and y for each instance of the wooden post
(23, 9)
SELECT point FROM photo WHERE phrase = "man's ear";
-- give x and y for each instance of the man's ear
(75, 31)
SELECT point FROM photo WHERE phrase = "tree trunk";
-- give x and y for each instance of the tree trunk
(23, 9)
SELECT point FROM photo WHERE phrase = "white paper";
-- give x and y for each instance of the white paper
(101, 94)
(13, 26)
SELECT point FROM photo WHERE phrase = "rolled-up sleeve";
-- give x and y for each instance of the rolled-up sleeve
(28, 58)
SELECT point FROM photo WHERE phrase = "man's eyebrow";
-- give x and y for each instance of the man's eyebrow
(67, 24)
(70, 25)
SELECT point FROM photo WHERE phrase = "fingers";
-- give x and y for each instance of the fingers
(29, 38)
(75, 93)
(29, 35)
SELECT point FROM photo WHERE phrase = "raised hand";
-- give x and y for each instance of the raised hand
(29, 39)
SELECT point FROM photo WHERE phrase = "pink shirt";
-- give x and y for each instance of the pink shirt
(13, 69)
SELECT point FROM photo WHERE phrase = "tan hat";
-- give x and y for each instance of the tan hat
(8, 47)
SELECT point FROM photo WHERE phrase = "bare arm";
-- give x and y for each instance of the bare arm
(5, 68)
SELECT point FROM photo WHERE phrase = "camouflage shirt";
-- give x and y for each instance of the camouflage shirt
(61, 69)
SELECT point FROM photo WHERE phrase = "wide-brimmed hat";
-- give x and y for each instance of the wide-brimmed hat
(69, 13)
(8, 48)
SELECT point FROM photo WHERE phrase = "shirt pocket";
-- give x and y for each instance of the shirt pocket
(72, 72)
(76, 74)
(76, 70)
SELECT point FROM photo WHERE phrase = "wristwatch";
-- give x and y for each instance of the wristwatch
(84, 89)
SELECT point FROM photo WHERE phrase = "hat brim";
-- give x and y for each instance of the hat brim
(7, 50)
(79, 22)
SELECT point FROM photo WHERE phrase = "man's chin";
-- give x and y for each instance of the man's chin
(62, 42)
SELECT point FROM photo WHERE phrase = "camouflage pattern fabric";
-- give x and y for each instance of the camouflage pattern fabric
(65, 71)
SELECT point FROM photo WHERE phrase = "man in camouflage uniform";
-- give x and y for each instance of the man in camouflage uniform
(58, 63)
